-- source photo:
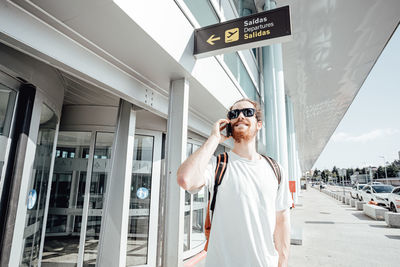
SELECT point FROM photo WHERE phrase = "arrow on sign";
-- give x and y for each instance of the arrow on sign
(212, 39)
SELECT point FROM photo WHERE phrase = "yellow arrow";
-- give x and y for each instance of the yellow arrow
(212, 39)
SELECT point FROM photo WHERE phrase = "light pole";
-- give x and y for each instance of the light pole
(366, 175)
(384, 165)
(370, 174)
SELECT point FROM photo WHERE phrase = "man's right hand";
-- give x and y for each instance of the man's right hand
(190, 174)
(219, 126)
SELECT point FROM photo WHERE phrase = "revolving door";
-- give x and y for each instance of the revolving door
(75, 210)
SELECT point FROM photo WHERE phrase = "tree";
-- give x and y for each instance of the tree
(335, 172)
(325, 174)
(349, 173)
(392, 170)
(316, 173)
(380, 172)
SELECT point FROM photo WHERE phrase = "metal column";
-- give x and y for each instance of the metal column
(114, 228)
(176, 153)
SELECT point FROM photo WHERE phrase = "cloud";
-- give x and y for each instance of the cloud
(372, 135)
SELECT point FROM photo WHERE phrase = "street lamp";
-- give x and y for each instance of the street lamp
(384, 165)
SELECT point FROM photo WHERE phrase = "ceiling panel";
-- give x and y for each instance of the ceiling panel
(79, 92)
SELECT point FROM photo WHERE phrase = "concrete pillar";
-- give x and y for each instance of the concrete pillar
(270, 109)
(280, 103)
(175, 154)
(298, 171)
(114, 230)
(292, 164)
(275, 100)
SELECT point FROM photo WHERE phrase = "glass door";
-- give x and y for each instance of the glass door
(8, 96)
(144, 200)
(100, 173)
(66, 200)
(38, 187)
(81, 170)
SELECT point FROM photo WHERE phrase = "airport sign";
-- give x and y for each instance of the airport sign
(260, 29)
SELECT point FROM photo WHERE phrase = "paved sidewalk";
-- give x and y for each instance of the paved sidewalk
(335, 234)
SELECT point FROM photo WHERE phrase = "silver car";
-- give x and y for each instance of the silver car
(355, 190)
(394, 200)
(378, 193)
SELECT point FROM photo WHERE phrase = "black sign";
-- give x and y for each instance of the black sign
(272, 26)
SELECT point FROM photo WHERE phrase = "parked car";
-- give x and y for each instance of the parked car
(354, 192)
(394, 200)
(378, 193)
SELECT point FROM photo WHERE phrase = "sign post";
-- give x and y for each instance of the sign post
(260, 29)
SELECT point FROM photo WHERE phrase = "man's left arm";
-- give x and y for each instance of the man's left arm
(282, 236)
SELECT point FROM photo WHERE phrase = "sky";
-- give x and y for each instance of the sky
(370, 128)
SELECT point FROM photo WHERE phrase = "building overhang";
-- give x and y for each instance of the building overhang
(335, 45)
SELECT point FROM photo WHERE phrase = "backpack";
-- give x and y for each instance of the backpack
(222, 163)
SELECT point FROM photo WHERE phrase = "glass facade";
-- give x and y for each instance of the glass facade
(205, 14)
(244, 7)
(38, 187)
(237, 68)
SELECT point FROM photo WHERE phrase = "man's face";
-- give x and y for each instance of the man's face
(244, 128)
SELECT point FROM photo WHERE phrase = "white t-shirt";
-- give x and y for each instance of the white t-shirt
(244, 218)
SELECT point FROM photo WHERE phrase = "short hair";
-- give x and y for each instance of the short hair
(259, 113)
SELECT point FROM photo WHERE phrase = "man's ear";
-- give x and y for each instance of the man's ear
(259, 125)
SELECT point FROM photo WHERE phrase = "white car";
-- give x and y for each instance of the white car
(394, 200)
(354, 192)
(379, 194)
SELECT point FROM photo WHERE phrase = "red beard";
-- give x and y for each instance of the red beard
(240, 136)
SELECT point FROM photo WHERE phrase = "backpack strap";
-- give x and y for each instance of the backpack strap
(275, 167)
(222, 161)
(219, 175)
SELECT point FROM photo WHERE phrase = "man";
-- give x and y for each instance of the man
(250, 225)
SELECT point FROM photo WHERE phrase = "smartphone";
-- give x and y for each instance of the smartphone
(229, 129)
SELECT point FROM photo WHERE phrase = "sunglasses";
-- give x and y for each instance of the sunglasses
(247, 112)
